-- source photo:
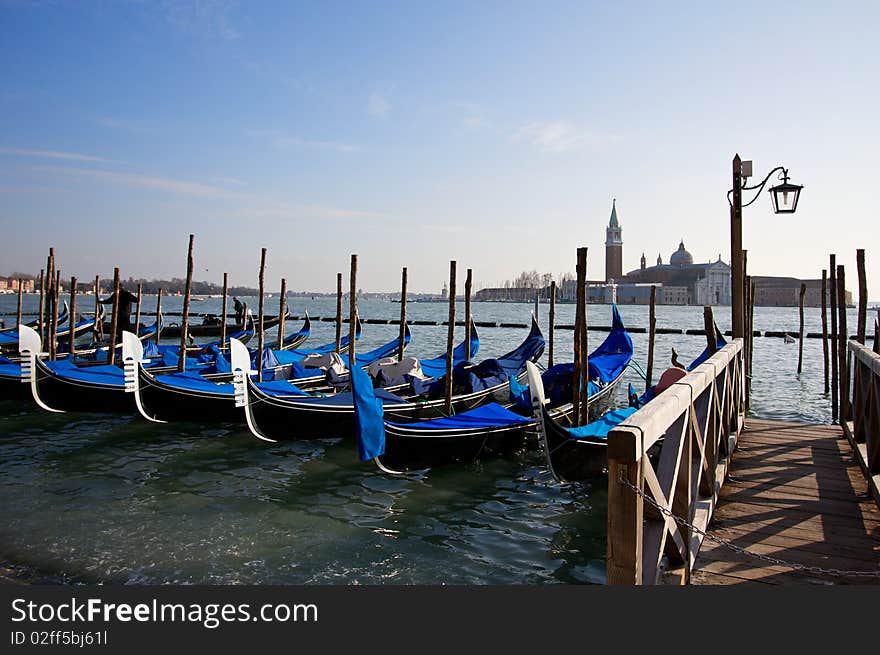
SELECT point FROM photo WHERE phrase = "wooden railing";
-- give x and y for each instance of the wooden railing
(675, 452)
(863, 432)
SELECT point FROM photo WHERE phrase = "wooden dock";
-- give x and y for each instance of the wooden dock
(793, 492)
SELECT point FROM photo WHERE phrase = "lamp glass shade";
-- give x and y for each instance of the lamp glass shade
(785, 197)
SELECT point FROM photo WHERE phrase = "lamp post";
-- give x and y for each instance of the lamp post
(784, 198)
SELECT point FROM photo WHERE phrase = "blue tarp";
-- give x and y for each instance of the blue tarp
(600, 428)
(436, 366)
(491, 415)
(606, 363)
(369, 425)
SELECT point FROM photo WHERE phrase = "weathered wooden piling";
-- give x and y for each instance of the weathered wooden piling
(835, 386)
(262, 307)
(843, 372)
(352, 314)
(709, 326)
(338, 311)
(468, 283)
(736, 264)
(46, 306)
(40, 325)
(18, 305)
(580, 383)
(450, 339)
(863, 296)
(114, 316)
(282, 307)
(158, 315)
(137, 314)
(803, 292)
(223, 311)
(551, 330)
(401, 340)
(652, 333)
(825, 327)
(72, 321)
(98, 330)
(55, 305)
(184, 322)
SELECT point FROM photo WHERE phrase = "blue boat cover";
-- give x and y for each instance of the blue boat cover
(600, 428)
(490, 415)
(105, 374)
(3, 360)
(605, 363)
(285, 357)
(436, 366)
(10, 370)
(193, 381)
(368, 422)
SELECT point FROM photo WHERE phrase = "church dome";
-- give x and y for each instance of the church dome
(681, 257)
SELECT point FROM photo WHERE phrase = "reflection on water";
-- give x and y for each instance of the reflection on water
(89, 497)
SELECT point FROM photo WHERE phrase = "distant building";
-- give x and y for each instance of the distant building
(785, 292)
(704, 284)
(613, 247)
(10, 285)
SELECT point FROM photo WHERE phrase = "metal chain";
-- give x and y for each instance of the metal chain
(818, 570)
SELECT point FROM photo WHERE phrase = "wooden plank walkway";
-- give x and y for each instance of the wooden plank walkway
(796, 494)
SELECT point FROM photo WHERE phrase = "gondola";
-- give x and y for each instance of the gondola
(578, 453)
(67, 385)
(493, 428)
(9, 338)
(215, 329)
(280, 418)
(208, 394)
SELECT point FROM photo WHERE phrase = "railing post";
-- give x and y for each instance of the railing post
(625, 509)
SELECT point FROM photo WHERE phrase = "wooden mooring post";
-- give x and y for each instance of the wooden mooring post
(825, 328)
(835, 360)
(580, 383)
(18, 305)
(98, 330)
(842, 338)
(699, 420)
(551, 330)
(339, 311)
(401, 339)
(40, 318)
(352, 314)
(450, 341)
(184, 322)
(72, 334)
(158, 315)
(709, 326)
(803, 292)
(137, 314)
(56, 301)
(468, 284)
(114, 316)
(652, 335)
(223, 343)
(262, 308)
(282, 307)
(863, 296)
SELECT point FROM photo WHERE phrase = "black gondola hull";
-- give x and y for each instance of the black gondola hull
(163, 402)
(64, 394)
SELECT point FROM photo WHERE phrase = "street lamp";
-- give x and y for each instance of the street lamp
(784, 198)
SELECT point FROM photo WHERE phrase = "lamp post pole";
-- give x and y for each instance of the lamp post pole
(736, 259)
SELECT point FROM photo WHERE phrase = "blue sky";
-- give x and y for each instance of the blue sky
(413, 133)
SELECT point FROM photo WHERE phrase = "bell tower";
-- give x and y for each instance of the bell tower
(613, 247)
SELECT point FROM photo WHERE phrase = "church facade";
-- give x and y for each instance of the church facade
(679, 282)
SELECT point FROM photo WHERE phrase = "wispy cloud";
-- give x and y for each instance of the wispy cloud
(473, 115)
(558, 136)
(51, 154)
(168, 185)
(378, 105)
(128, 124)
(201, 17)
(230, 181)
